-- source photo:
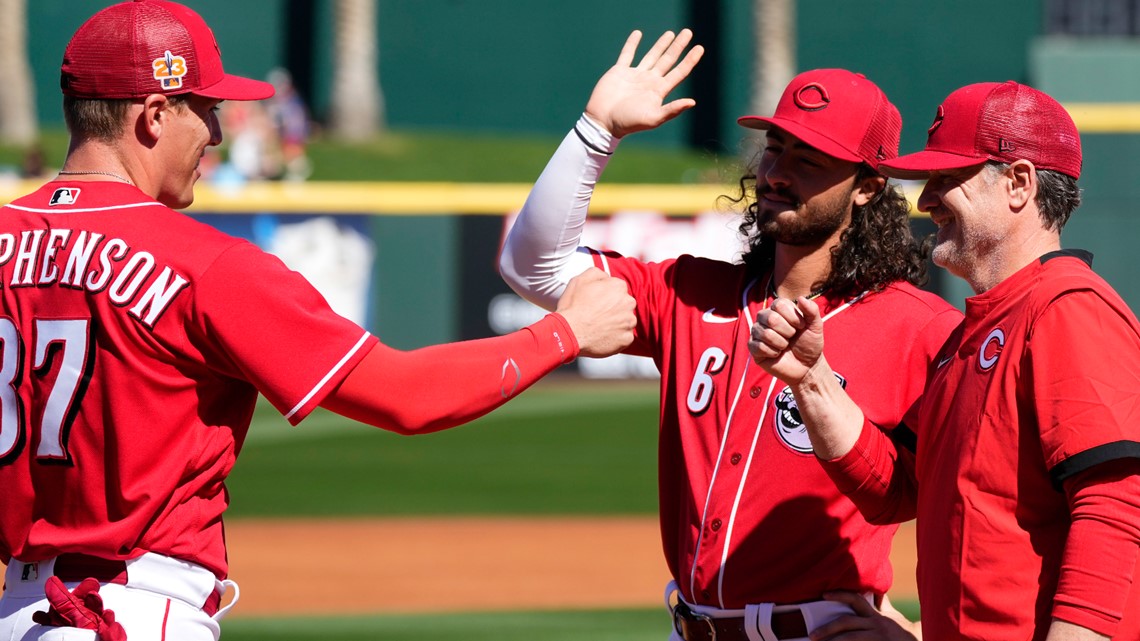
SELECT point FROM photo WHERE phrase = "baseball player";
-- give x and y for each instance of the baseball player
(754, 534)
(134, 342)
(1025, 475)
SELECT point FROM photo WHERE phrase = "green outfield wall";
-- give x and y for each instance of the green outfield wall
(521, 66)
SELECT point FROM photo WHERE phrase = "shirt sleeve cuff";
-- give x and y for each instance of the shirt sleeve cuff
(852, 470)
(560, 335)
(595, 136)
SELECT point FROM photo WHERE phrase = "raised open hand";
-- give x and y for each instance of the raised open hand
(628, 98)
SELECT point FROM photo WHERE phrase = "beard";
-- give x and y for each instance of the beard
(803, 224)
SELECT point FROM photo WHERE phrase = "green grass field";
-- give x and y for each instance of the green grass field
(609, 625)
(580, 449)
(563, 447)
(461, 157)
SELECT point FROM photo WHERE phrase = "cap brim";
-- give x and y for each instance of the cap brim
(237, 88)
(918, 166)
(808, 136)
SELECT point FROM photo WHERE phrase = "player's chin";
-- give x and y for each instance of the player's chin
(178, 201)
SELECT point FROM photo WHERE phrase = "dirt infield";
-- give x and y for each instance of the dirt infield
(447, 564)
(305, 567)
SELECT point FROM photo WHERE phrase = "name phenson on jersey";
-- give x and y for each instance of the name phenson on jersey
(40, 257)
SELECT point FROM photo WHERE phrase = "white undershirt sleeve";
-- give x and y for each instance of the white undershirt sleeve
(541, 253)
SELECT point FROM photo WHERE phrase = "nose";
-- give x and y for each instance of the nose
(215, 130)
(775, 172)
(929, 198)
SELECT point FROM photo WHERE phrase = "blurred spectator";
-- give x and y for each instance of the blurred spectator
(255, 150)
(290, 117)
(34, 164)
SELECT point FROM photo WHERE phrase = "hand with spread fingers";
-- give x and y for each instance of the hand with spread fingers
(867, 623)
(632, 98)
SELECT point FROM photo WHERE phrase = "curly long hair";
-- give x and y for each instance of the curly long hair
(877, 249)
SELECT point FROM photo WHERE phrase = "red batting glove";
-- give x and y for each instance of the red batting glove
(82, 608)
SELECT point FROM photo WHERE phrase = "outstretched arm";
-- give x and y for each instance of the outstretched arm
(441, 386)
(540, 253)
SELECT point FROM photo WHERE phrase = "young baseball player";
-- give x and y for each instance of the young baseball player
(754, 533)
(1025, 476)
(134, 342)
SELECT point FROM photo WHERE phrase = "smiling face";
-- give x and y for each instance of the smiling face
(804, 196)
(189, 129)
(964, 204)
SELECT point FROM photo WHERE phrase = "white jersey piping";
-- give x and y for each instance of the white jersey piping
(720, 454)
(745, 312)
(85, 210)
(331, 373)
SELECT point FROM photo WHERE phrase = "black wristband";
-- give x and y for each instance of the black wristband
(589, 144)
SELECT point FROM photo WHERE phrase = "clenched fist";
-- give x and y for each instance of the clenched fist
(599, 310)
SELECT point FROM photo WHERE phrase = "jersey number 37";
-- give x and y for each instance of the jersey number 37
(65, 341)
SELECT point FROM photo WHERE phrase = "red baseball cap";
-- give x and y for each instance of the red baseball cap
(134, 49)
(1000, 121)
(841, 113)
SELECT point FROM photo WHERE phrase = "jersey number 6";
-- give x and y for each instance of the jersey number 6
(702, 387)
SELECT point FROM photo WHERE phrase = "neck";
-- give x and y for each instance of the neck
(94, 160)
(798, 269)
(1013, 254)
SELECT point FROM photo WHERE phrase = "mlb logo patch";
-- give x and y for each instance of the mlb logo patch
(64, 196)
(30, 572)
(169, 70)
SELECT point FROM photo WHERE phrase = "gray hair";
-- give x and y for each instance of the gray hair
(1058, 195)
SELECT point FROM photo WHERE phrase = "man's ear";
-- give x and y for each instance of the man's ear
(1022, 185)
(155, 111)
(867, 189)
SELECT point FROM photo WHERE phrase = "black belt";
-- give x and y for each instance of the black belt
(694, 626)
(71, 567)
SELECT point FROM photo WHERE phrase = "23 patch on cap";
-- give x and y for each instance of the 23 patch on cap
(169, 70)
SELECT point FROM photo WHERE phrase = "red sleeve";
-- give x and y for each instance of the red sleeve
(259, 321)
(877, 476)
(1099, 563)
(649, 285)
(441, 386)
(1085, 377)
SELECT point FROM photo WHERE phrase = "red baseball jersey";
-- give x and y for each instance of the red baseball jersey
(747, 514)
(1041, 383)
(133, 344)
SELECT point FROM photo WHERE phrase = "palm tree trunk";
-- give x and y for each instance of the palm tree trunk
(775, 22)
(357, 104)
(17, 96)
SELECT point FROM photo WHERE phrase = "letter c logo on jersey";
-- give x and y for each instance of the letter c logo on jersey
(991, 349)
(811, 97)
(790, 425)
